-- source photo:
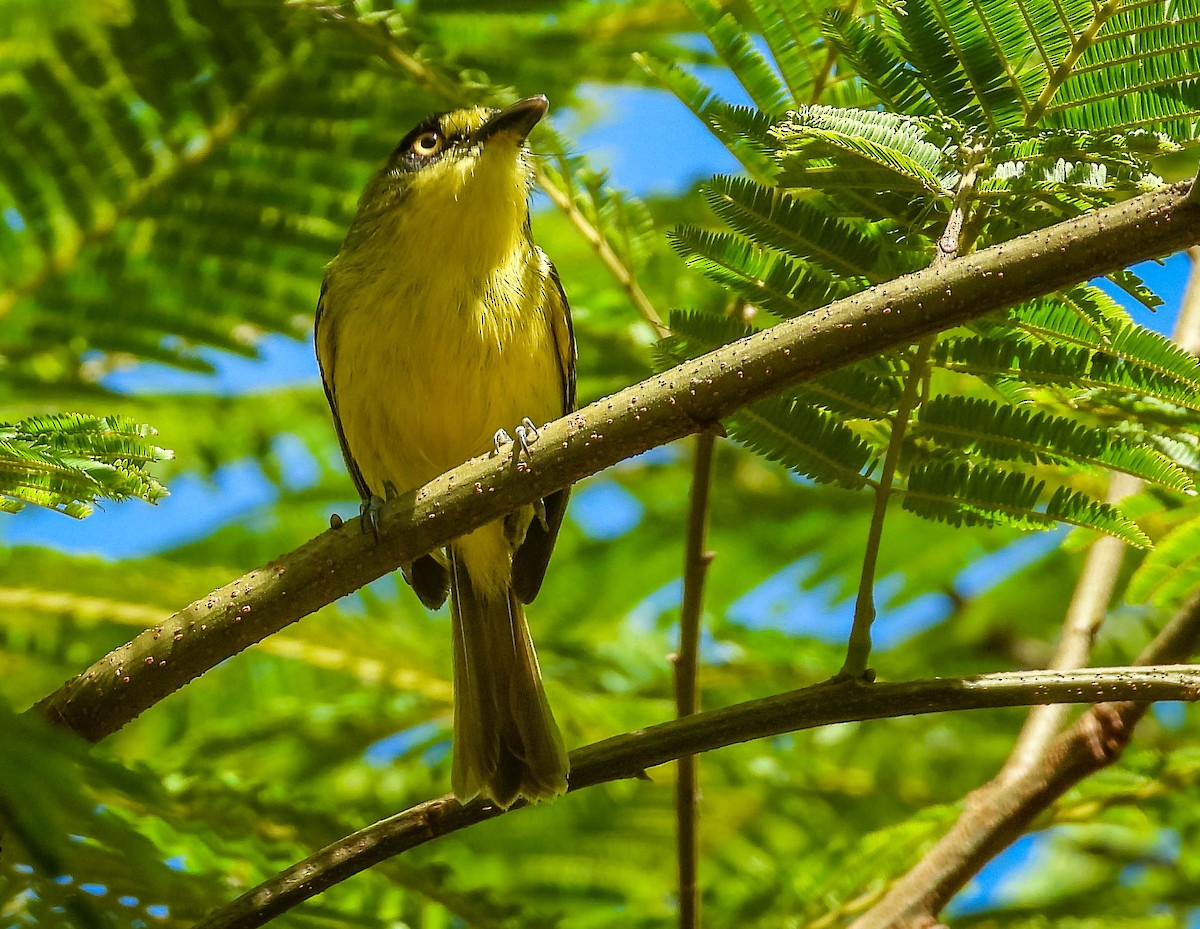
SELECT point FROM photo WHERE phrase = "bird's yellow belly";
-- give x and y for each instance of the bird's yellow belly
(425, 376)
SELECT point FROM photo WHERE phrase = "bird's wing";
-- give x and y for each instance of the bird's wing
(531, 559)
(326, 343)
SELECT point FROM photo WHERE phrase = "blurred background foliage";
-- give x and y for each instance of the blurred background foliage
(173, 177)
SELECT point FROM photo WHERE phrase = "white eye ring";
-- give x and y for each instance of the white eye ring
(427, 144)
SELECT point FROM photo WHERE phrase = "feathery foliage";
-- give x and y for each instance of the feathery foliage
(966, 122)
(61, 461)
(173, 178)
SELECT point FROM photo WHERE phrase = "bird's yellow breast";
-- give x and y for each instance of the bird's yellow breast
(448, 338)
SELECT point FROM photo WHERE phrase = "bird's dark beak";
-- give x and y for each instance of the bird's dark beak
(518, 119)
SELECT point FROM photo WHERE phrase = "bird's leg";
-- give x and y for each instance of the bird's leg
(527, 435)
(369, 510)
(369, 513)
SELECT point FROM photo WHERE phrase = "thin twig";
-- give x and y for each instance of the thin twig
(951, 245)
(661, 409)
(821, 80)
(1079, 44)
(696, 560)
(630, 754)
(858, 649)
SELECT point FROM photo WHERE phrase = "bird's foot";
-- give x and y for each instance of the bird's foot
(369, 513)
(527, 434)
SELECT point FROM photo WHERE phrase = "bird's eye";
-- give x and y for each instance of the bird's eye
(427, 144)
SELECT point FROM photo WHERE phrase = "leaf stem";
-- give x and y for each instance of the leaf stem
(1079, 44)
(998, 813)
(620, 271)
(821, 79)
(687, 694)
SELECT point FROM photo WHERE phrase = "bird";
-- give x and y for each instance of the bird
(440, 325)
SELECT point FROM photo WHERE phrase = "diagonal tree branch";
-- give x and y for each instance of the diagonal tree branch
(1085, 613)
(1098, 577)
(629, 755)
(1001, 811)
(662, 408)
(994, 816)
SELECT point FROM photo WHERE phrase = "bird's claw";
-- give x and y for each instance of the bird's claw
(369, 514)
(527, 434)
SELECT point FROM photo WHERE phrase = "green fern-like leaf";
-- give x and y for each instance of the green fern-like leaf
(69, 460)
(1134, 64)
(866, 390)
(953, 61)
(1171, 572)
(878, 63)
(1136, 288)
(792, 33)
(1054, 159)
(621, 220)
(1002, 432)
(803, 230)
(805, 439)
(694, 333)
(1083, 315)
(737, 52)
(766, 279)
(964, 494)
(726, 122)
(1141, 362)
(863, 148)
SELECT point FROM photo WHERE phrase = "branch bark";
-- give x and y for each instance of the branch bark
(663, 408)
(630, 754)
(1001, 811)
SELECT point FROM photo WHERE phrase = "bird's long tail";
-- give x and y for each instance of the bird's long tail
(506, 743)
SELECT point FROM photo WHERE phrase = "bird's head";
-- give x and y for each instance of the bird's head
(460, 166)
